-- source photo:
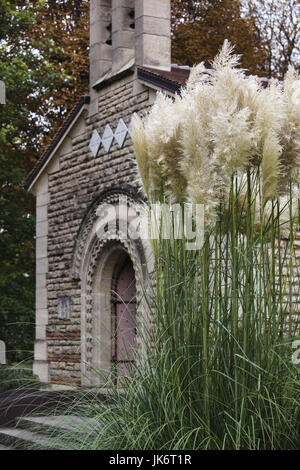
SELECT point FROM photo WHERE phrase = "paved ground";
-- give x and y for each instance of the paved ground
(41, 433)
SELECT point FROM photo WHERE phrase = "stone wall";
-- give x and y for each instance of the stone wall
(79, 179)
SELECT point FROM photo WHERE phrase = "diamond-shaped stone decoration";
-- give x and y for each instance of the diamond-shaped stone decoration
(95, 143)
(121, 133)
(130, 125)
(107, 137)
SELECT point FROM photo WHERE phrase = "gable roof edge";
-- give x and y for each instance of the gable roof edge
(154, 80)
(62, 132)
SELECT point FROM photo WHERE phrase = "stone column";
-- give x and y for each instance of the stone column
(122, 34)
(153, 33)
(40, 366)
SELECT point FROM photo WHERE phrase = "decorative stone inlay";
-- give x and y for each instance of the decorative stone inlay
(63, 308)
(107, 137)
(95, 143)
(121, 132)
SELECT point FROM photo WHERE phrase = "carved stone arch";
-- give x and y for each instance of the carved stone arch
(100, 250)
(110, 196)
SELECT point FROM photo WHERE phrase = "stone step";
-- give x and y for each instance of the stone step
(23, 439)
(47, 432)
(29, 402)
(53, 424)
(5, 448)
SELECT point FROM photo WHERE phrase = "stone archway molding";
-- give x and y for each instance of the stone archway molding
(96, 255)
(111, 196)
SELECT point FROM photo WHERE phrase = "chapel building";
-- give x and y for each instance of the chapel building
(90, 280)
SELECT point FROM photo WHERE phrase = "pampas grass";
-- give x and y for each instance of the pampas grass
(216, 371)
(270, 167)
(140, 146)
(163, 133)
(291, 127)
(224, 123)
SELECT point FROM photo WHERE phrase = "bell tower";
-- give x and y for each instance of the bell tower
(125, 33)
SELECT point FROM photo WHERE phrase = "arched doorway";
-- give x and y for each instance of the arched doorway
(99, 257)
(109, 338)
(124, 301)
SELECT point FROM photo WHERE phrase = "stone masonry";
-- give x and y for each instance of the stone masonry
(69, 181)
(72, 189)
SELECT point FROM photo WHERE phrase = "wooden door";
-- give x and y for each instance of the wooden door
(125, 329)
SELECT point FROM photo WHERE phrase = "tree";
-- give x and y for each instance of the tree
(61, 34)
(200, 28)
(277, 24)
(44, 65)
(26, 74)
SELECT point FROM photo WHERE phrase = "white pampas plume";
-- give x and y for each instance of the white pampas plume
(226, 57)
(269, 115)
(291, 128)
(224, 124)
(163, 134)
(233, 139)
(270, 167)
(198, 75)
(140, 148)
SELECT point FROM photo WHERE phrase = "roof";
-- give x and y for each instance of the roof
(171, 81)
(56, 139)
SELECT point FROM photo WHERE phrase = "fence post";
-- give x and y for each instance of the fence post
(2, 353)
(2, 92)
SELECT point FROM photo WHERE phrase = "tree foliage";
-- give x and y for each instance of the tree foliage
(61, 34)
(200, 28)
(277, 25)
(26, 74)
(44, 65)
